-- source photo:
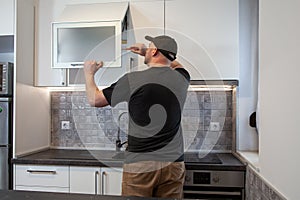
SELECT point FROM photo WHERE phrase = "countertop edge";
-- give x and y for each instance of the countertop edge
(237, 165)
(249, 157)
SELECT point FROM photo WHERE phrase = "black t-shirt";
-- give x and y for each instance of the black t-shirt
(155, 99)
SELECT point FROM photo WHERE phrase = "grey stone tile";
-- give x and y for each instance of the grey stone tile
(256, 188)
(98, 125)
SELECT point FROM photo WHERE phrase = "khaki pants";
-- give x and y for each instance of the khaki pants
(153, 179)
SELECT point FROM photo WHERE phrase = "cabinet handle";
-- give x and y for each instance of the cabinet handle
(131, 64)
(102, 182)
(41, 172)
(96, 182)
(62, 74)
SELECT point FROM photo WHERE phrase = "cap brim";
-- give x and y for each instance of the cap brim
(149, 38)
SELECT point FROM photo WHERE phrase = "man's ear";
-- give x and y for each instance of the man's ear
(154, 52)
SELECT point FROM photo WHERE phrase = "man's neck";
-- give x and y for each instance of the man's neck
(158, 64)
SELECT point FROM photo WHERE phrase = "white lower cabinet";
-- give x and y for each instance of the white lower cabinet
(73, 179)
(84, 180)
(95, 180)
(111, 181)
(42, 178)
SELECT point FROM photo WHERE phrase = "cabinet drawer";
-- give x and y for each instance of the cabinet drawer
(39, 175)
(43, 189)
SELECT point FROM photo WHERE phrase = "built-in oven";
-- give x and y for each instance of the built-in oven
(226, 185)
(210, 177)
(6, 79)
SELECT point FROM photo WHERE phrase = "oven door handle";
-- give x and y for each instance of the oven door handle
(213, 192)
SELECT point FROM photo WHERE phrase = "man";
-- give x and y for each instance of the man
(154, 164)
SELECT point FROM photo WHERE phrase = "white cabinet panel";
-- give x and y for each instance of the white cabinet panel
(85, 180)
(7, 17)
(44, 75)
(147, 18)
(95, 180)
(207, 36)
(73, 179)
(42, 176)
(111, 179)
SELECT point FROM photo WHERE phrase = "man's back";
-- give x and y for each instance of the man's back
(156, 98)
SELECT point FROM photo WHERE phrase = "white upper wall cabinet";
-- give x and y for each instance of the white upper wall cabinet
(47, 13)
(206, 32)
(44, 75)
(7, 13)
(207, 35)
(95, 33)
(146, 18)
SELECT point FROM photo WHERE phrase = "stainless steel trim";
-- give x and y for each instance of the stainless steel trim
(7, 76)
(96, 182)
(213, 192)
(5, 121)
(234, 121)
(4, 168)
(215, 82)
(41, 172)
(216, 178)
(5, 99)
(102, 182)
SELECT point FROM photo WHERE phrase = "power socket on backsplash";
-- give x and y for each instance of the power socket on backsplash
(214, 126)
(65, 125)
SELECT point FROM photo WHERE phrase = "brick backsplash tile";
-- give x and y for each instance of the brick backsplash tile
(97, 127)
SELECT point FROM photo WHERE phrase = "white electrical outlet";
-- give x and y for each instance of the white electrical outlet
(214, 126)
(65, 125)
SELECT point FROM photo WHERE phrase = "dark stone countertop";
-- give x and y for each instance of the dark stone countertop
(106, 158)
(228, 162)
(21, 195)
(99, 158)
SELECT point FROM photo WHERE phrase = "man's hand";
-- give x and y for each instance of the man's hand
(175, 64)
(138, 48)
(91, 67)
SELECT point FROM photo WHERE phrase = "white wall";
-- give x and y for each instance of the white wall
(32, 105)
(280, 95)
(247, 138)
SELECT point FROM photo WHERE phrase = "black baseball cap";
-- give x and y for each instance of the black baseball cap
(165, 44)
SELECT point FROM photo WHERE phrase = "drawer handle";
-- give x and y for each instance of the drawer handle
(40, 172)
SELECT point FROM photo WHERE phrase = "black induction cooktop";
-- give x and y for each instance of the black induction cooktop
(210, 158)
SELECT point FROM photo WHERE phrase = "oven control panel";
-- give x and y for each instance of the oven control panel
(214, 178)
(201, 178)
